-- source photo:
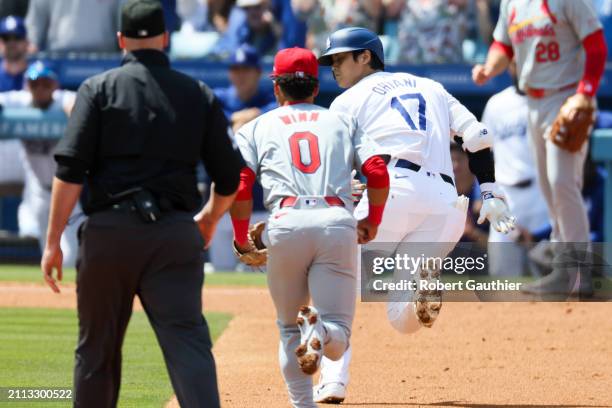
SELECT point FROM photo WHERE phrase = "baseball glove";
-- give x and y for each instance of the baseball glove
(574, 123)
(257, 254)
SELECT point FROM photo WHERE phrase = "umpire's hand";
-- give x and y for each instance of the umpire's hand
(207, 224)
(52, 259)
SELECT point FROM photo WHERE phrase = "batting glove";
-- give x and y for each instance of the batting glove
(495, 210)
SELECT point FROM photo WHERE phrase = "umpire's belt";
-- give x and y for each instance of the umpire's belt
(311, 202)
(538, 93)
(407, 164)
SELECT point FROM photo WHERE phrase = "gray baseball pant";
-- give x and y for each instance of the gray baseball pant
(559, 171)
(312, 253)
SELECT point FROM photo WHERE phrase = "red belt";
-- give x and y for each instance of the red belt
(330, 200)
(539, 93)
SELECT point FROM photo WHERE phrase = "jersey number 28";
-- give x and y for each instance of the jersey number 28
(305, 151)
(422, 106)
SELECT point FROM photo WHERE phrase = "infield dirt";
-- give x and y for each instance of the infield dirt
(477, 354)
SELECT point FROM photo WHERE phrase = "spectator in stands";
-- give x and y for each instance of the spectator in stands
(293, 29)
(253, 24)
(245, 100)
(14, 47)
(506, 117)
(242, 102)
(17, 8)
(205, 15)
(74, 25)
(42, 93)
(325, 16)
(433, 31)
(172, 19)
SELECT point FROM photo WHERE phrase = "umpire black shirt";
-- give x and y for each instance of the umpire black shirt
(146, 125)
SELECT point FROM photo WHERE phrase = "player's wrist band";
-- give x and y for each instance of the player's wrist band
(485, 195)
(375, 213)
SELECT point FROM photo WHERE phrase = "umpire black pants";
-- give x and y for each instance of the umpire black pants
(121, 256)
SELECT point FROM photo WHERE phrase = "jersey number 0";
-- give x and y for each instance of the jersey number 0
(422, 106)
(305, 151)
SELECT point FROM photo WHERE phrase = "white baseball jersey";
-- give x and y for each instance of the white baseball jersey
(407, 117)
(38, 153)
(506, 116)
(546, 36)
(303, 150)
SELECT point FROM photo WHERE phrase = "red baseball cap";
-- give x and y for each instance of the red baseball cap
(296, 61)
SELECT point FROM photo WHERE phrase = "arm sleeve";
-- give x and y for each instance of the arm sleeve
(464, 124)
(81, 137)
(221, 157)
(504, 48)
(582, 16)
(500, 33)
(375, 171)
(37, 23)
(595, 62)
(482, 165)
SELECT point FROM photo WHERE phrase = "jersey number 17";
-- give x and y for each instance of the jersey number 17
(401, 108)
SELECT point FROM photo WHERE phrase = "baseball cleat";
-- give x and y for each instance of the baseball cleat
(329, 393)
(428, 302)
(310, 350)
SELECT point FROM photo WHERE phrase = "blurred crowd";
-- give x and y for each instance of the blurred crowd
(413, 31)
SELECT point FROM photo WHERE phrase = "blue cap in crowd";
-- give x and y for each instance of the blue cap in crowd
(12, 25)
(245, 56)
(39, 70)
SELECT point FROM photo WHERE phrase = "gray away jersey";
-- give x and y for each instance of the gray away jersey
(546, 36)
(303, 150)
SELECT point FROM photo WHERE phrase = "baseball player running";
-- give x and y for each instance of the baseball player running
(303, 156)
(560, 80)
(410, 119)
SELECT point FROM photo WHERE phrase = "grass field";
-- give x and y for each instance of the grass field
(27, 273)
(37, 350)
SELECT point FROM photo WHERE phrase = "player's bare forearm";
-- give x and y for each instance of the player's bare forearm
(64, 197)
(378, 196)
(497, 62)
(241, 210)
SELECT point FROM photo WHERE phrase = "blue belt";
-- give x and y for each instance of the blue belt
(407, 164)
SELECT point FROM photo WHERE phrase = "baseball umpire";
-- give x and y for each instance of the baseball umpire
(135, 137)
(560, 53)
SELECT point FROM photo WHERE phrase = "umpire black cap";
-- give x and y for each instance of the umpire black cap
(142, 19)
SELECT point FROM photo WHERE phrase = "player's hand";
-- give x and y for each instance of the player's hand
(481, 74)
(366, 231)
(207, 224)
(496, 211)
(357, 188)
(53, 258)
